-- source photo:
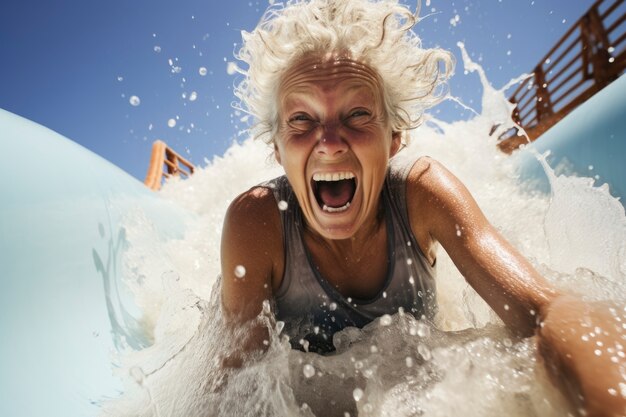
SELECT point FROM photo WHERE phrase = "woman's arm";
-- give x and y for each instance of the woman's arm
(443, 208)
(251, 258)
(580, 342)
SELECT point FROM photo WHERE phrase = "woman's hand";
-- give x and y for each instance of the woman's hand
(584, 349)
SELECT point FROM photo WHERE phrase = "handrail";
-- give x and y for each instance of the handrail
(590, 56)
(165, 162)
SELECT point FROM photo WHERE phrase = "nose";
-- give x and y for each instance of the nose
(331, 143)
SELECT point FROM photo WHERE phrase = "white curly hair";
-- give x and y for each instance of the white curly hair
(377, 33)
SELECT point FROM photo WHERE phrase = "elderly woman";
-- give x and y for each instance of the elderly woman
(348, 234)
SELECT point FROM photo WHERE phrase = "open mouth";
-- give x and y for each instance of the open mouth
(334, 192)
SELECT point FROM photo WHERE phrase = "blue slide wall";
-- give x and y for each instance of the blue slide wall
(61, 241)
(592, 136)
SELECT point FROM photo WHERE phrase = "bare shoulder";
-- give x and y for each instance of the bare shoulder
(434, 190)
(251, 251)
(438, 204)
(430, 178)
(258, 203)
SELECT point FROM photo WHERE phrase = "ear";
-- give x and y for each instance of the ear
(396, 143)
(277, 154)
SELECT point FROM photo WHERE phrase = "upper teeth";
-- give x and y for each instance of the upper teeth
(335, 176)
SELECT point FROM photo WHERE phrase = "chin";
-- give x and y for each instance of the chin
(335, 226)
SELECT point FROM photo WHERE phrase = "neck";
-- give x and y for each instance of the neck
(353, 246)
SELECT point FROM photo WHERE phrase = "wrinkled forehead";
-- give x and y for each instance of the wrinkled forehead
(324, 72)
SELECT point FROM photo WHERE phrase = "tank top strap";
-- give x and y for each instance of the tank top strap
(399, 169)
(293, 249)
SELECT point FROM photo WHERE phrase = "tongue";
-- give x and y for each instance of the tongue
(335, 193)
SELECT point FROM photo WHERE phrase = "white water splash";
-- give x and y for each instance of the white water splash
(396, 366)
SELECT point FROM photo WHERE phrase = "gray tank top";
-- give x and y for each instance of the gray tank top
(313, 310)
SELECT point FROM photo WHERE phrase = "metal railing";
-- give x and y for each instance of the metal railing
(590, 55)
(165, 162)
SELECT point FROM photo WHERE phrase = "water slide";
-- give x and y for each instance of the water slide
(589, 142)
(64, 312)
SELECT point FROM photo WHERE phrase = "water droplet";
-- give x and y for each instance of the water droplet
(411, 280)
(240, 271)
(304, 344)
(409, 261)
(157, 48)
(134, 101)
(231, 68)
(611, 59)
(171, 122)
(332, 306)
(193, 96)
(598, 352)
(385, 320)
(308, 370)
(280, 325)
(282, 205)
(423, 330)
(374, 349)
(202, 71)
(506, 307)
(357, 394)
(120, 78)
(424, 352)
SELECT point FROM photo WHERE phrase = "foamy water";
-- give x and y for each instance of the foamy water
(464, 363)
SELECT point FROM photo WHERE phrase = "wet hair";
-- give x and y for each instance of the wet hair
(377, 33)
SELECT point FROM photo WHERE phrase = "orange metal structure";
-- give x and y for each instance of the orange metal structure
(165, 162)
(590, 55)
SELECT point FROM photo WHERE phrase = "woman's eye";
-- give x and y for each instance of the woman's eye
(358, 117)
(300, 123)
(358, 113)
(299, 118)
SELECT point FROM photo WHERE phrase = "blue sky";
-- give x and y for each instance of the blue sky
(73, 65)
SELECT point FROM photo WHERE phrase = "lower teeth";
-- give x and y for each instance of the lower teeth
(336, 209)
